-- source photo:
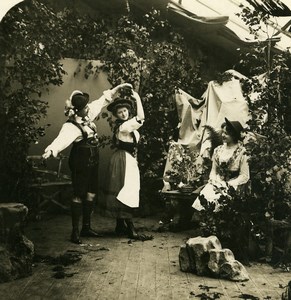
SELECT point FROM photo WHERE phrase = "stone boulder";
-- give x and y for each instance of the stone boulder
(205, 256)
(217, 258)
(233, 270)
(223, 264)
(197, 250)
(184, 259)
(16, 251)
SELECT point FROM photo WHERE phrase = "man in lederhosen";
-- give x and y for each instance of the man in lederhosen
(80, 131)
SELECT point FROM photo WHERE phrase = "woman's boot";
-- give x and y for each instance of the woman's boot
(76, 210)
(120, 228)
(87, 231)
(130, 229)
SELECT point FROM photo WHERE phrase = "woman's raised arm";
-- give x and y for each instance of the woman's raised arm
(139, 108)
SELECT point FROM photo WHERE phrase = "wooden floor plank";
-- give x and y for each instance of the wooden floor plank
(274, 282)
(100, 270)
(146, 286)
(112, 283)
(215, 287)
(181, 285)
(39, 286)
(139, 270)
(131, 274)
(230, 289)
(7, 287)
(163, 278)
(261, 283)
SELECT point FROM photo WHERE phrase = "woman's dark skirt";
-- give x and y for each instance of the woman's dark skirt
(108, 204)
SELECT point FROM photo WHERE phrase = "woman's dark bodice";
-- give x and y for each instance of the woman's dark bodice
(126, 146)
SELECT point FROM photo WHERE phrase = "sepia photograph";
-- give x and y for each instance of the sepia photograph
(145, 149)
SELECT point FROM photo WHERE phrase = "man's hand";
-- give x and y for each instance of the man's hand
(120, 86)
(47, 154)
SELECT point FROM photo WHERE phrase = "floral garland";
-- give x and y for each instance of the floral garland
(224, 167)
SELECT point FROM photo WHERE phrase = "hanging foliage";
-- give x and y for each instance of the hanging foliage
(266, 210)
(30, 53)
(146, 52)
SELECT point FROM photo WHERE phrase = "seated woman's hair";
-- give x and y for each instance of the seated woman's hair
(234, 129)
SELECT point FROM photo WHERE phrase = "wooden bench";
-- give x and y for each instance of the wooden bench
(48, 184)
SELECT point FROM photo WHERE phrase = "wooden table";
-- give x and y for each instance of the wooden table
(179, 208)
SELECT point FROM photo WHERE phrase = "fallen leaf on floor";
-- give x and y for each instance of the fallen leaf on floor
(211, 296)
(59, 275)
(142, 237)
(71, 274)
(97, 248)
(62, 274)
(104, 249)
(58, 268)
(248, 297)
(206, 287)
(68, 258)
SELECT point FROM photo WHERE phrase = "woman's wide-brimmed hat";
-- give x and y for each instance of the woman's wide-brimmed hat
(235, 127)
(119, 102)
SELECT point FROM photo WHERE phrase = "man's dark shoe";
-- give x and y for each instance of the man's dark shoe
(89, 232)
(75, 237)
(121, 228)
(132, 234)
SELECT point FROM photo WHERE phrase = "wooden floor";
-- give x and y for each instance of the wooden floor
(113, 268)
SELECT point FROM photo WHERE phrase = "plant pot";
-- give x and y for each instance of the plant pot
(187, 189)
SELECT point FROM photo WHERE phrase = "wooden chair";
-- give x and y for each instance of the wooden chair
(48, 184)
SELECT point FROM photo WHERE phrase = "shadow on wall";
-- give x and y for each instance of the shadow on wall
(56, 97)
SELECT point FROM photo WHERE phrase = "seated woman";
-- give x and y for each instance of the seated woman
(229, 166)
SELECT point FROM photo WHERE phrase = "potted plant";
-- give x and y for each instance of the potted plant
(186, 168)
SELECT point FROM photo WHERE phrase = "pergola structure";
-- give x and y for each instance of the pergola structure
(213, 22)
(218, 21)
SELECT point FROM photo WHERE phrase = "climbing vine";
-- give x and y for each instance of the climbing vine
(268, 145)
(146, 52)
(268, 95)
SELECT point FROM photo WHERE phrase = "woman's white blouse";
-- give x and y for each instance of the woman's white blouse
(223, 154)
(126, 128)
